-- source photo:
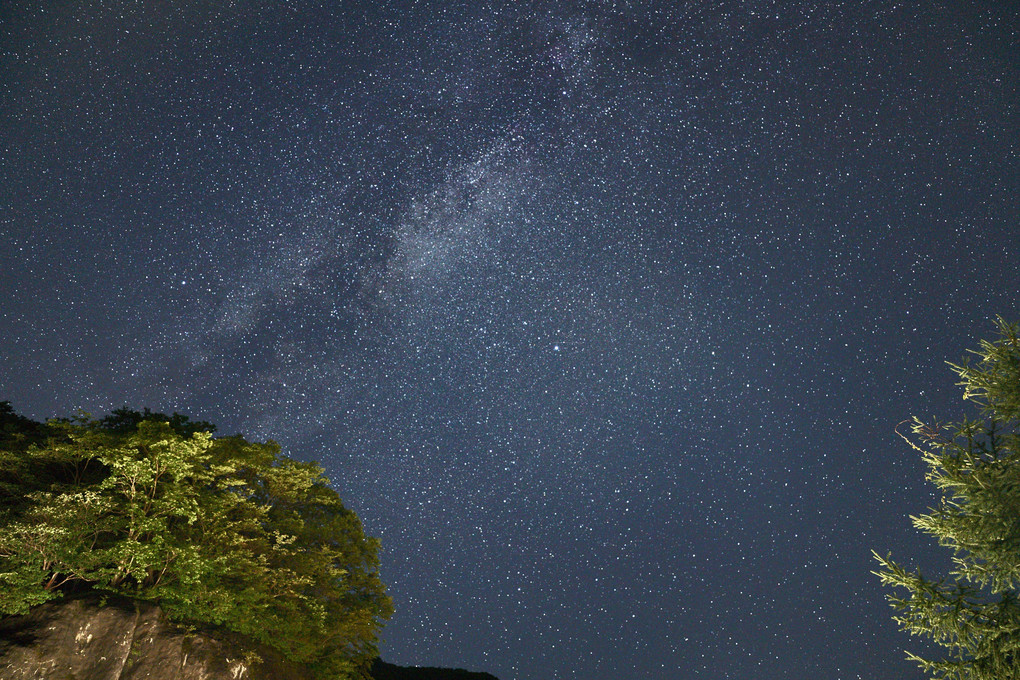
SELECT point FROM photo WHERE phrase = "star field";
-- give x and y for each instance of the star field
(599, 314)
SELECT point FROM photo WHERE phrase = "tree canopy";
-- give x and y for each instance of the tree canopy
(974, 611)
(217, 531)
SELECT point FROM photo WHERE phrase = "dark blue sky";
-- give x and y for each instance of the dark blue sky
(600, 314)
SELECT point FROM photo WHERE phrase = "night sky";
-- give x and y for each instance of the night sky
(601, 315)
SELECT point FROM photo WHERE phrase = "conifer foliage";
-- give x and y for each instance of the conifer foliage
(217, 531)
(974, 611)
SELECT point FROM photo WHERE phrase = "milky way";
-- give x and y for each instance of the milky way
(600, 315)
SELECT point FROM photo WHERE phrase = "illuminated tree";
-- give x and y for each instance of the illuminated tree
(974, 611)
(215, 530)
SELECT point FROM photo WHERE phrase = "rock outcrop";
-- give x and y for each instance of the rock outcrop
(116, 638)
(81, 639)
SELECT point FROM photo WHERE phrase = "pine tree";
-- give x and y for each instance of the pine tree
(974, 612)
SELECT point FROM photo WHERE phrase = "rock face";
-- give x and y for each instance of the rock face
(85, 638)
(78, 639)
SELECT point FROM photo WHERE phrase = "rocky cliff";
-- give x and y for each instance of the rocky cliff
(79, 639)
(115, 638)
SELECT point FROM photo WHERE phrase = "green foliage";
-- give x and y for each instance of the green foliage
(218, 531)
(975, 611)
